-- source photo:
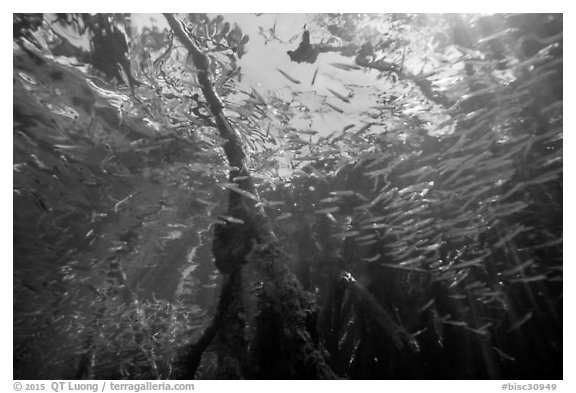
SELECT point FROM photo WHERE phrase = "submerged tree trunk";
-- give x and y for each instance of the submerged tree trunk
(284, 342)
(367, 303)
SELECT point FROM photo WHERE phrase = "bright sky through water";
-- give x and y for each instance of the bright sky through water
(261, 63)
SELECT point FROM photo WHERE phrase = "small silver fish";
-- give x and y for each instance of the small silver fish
(339, 96)
(291, 79)
(283, 217)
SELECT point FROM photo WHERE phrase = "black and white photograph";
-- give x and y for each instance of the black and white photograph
(287, 196)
